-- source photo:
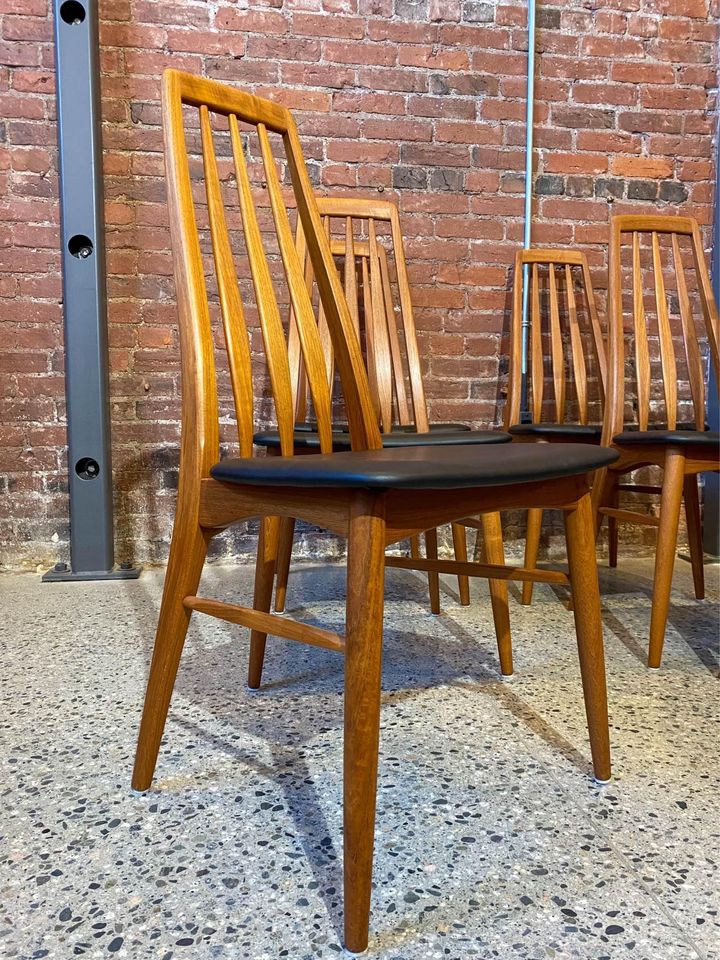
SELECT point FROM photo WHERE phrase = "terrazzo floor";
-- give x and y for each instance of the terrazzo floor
(492, 842)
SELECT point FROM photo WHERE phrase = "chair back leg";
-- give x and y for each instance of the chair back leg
(694, 534)
(532, 545)
(264, 576)
(494, 552)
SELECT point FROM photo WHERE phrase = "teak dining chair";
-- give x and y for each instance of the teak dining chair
(651, 431)
(565, 340)
(386, 326)
(375, 497)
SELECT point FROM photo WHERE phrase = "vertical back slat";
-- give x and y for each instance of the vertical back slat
(597, 334)
(692, 350)
(298, 381)
(302, 305)
(369, 345)
(324, 329)
(512, 405)
(556, 348)
(350, 274)
(537, 366)
(403, 409)
(709, 307)
(231, 308)
(642, 353)
(381, 353)
(578, 355)
(270, 323)
(667, 352)
(417, 390)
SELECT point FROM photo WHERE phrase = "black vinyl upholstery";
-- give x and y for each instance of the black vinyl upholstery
(590, 433)
(419, 467)
(305, 440)
(675, 438)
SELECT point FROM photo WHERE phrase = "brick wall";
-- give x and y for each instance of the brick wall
(421, 99)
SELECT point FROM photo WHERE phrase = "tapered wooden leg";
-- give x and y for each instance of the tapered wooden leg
(691, 495)
(363, 652)
(493, 552)
(185, 563)
(670, 503)
(580, 537)
(264, 576)
(431, 551)
(284, 554)
(415, 547)
(614, 500)
(459, 536)
(532, 544)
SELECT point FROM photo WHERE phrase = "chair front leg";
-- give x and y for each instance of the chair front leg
(532, 544)
(459, 536)
(363, 653)
(494, 552)
(264, 577)
(580, 537)
(694, 532)
(431, 552)
(284, 555)
(670, 503)
(185, 563)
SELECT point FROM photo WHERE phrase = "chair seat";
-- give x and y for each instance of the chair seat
(418, 468)
(676, 438)
(305, 440)
(310, 426)
(580, 432)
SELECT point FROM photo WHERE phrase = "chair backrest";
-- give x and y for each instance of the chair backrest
(564, 333)
(366, 240)
(219, 110)
(649, 280)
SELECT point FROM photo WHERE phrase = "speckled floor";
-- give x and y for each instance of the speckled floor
(492, 840)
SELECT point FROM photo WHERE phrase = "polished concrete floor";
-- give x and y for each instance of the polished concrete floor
(492, 841)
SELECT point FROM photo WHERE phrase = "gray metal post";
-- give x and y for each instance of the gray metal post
(84, 297)
(711, 500)
(527, 236)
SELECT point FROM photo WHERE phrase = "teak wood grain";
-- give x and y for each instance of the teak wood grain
(567, 270)
(680, 462)
(370, 520)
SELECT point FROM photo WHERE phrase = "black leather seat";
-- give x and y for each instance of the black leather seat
(575, 431)
(398, 438)
(310, 426)
(678, 438)
(418, 467)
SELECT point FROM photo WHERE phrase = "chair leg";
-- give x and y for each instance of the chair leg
(264, 576)
(532, 543)
(614, 498)
(185, 563)
(493, 552)
(691, 494)
(459, 536)
(363, 654)
(284, 555)
(580, 539)
(431, 551)
(670, 503)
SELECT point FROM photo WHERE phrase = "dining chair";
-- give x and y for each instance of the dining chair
(382, 312)
(565, 340)
(370, 495)
(660, 421)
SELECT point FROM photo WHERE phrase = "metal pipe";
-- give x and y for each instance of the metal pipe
(82, 232)
(711, 499)
(527, 232)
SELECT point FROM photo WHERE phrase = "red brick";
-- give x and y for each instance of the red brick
(646, 167)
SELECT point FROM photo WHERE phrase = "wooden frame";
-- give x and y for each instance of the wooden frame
(574, 272)
(394, 373)
(370, 519)
(674, 452)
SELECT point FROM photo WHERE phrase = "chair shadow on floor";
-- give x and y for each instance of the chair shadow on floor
(311, 680)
